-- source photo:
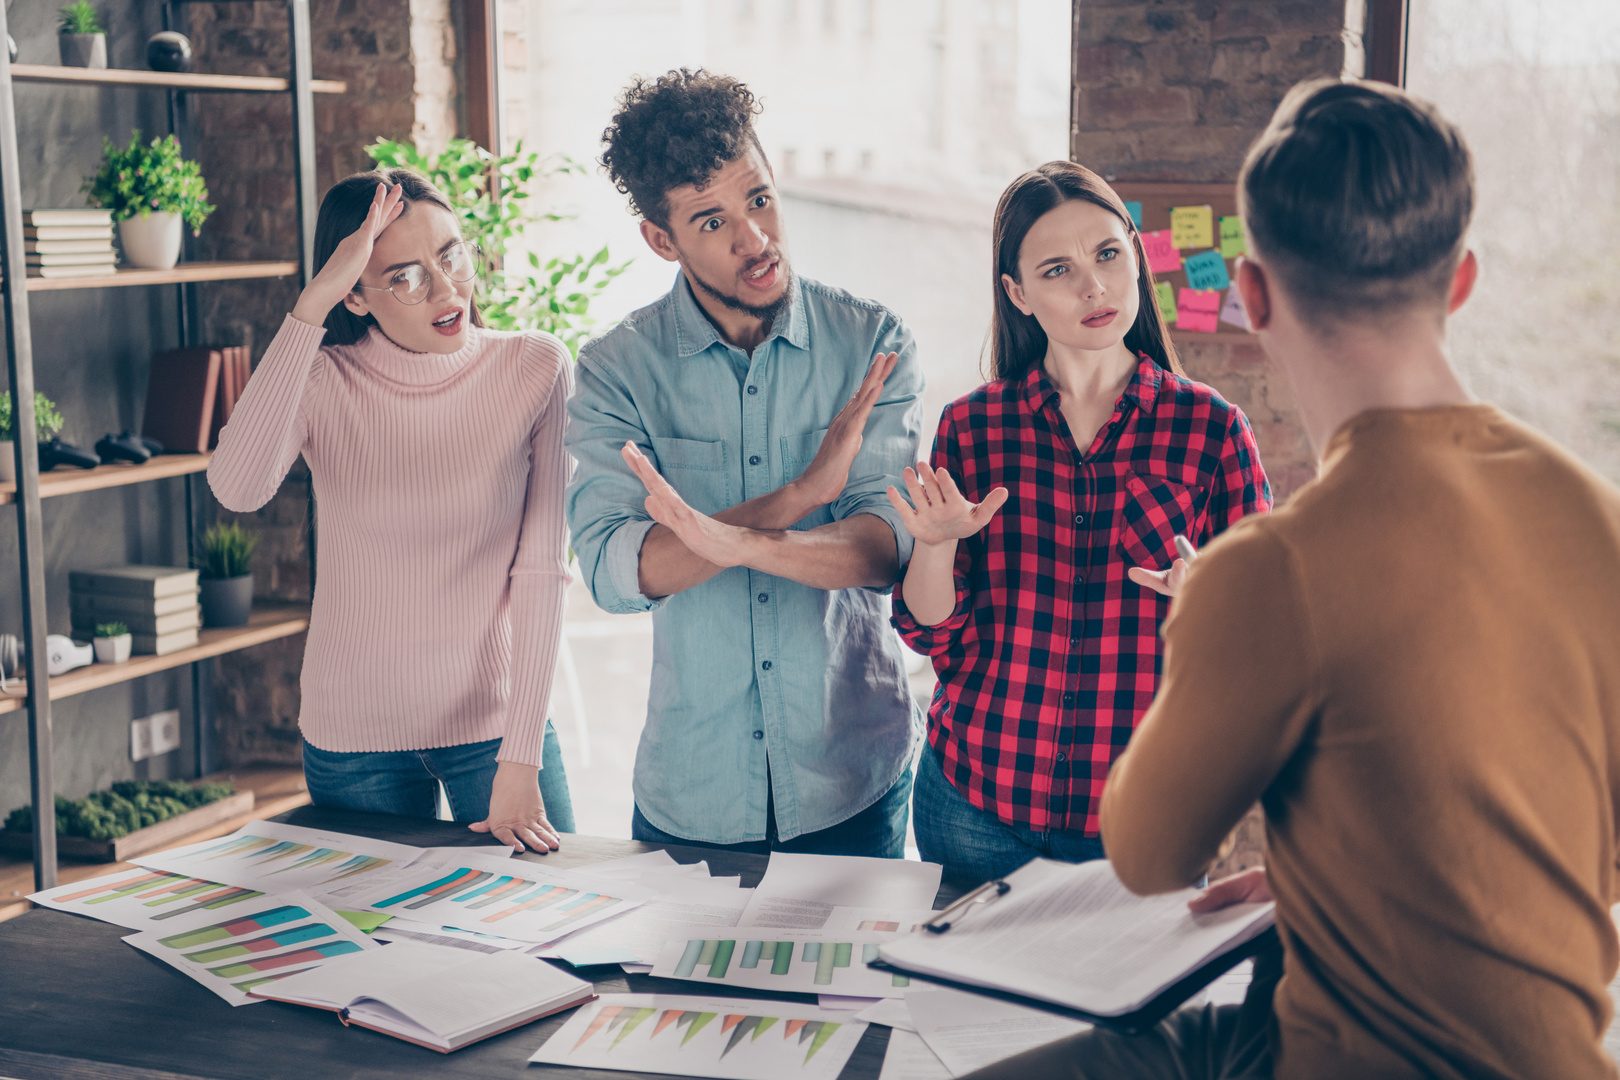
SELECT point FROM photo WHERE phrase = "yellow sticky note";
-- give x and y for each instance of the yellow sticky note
(1232, 244)
(1192, 226)
(1166, 294)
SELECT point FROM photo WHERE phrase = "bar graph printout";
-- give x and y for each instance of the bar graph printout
(514, 898)
(274, 857)
(767, 959)
(251, 943)
(731, 1038)
(142, 899)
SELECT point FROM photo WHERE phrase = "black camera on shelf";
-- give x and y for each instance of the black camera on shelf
(125, 446)
(56, 452)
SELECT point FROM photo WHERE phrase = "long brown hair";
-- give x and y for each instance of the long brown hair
(1017, 342)
(342, 211)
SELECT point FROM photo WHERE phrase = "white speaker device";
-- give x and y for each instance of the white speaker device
(62, 655)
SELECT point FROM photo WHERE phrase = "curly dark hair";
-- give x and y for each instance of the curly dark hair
(679, 128)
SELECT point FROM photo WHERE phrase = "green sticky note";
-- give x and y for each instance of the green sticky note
(1167, 300)
(364, 921)
(1232, 238)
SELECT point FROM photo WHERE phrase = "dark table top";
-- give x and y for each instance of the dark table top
(76, 1002)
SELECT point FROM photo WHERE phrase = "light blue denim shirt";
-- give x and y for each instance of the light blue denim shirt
(757, 680)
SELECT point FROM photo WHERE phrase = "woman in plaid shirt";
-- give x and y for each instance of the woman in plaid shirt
(1042, 620)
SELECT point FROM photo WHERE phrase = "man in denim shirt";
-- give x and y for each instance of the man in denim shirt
(735, 440)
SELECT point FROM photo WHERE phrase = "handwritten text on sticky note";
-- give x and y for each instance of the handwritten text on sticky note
(1166, 294)
(1206, 270)
(1232, 243)
(1197, 310)
(1192, 227)
(1162, 256)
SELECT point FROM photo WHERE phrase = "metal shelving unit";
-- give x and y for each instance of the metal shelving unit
(269, 622)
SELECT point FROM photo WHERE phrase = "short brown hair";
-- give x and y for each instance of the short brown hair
(677, 129)
(1358, 196)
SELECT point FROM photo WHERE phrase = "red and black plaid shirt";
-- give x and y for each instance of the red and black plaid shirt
(1052, 655)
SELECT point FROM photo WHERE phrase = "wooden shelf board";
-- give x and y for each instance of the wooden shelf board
(268, 623)
(66, 480)
(193, 271)
(276, 789)
(171, 80)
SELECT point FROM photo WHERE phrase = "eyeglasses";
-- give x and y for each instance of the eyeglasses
(412, 284)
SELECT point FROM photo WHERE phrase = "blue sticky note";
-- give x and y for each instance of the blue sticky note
(1206, 270)
(1135, 210)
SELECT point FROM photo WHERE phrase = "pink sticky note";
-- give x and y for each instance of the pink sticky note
(1162, 256)
(1204, 301)
(1232, 311)
(1202, 322)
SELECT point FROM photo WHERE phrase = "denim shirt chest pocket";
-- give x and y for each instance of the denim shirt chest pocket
(798, 451)
(698, 468)
(1155, 512)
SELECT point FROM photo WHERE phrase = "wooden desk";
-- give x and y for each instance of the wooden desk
(76, 1002)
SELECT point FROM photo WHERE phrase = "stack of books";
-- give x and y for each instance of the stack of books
(158, 604)
(68, 243)
(191, 395)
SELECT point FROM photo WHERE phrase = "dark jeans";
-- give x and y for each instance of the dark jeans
(974, 845)
(1197, 1042)
(878, 831)
(406, 782)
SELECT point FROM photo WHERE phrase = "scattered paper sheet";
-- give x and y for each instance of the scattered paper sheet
(786, 961)
(270, 856)
(143, 899)
(908, 1058)
(638, 936)
(890, 1012)
(255, 943)
(731, 1038)
(802, 891)
(970, 1031)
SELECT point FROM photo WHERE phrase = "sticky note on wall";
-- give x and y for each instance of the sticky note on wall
(1166, 294)
(1192, 226)
(1206, 270)
(1135, 210)
(1197, 310)
(1162, 256)
(1232, 312)
(1232, 242)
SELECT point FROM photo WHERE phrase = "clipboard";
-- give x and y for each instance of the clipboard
(1166, 1002)
(1141, 1019)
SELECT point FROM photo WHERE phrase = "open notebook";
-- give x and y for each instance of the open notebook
(1057, 934)
(439, 998)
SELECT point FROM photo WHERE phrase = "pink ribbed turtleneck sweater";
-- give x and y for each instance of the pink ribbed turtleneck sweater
(440, 539)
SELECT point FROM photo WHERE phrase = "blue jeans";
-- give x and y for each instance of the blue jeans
(974, 845)
(879, 831)
(406, 782)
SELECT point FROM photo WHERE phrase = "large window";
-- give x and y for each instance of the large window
(891, 127)
(1535, 87)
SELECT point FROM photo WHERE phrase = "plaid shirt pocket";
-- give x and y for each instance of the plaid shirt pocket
(1156, 511)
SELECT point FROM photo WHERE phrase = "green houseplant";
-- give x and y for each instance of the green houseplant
(125, 807)
(151, 188)
(81, 39)
(491, 195)
(47, 425)
(112, 642)
(227, 574)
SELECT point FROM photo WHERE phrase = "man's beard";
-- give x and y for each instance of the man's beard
(766, 313)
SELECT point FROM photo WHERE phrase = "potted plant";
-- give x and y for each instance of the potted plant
(112, 642)
(150, 189)
(82, 39)
(47, 425)
(227, 574)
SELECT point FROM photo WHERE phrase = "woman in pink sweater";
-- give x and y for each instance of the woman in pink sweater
(435, 447)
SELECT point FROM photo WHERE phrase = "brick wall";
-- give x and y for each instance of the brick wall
(1176, 91)
(399, 59)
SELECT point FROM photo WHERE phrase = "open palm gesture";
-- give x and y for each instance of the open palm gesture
(341, 272)
(938, 513)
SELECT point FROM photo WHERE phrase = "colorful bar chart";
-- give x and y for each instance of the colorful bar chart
(798, 963)
(268, 939)
(531, 904)
(717, 1037)
(141, 899)
(269, 855)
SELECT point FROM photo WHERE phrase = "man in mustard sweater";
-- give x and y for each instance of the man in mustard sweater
(1414, 665)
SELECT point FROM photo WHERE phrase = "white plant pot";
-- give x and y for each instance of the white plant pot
(8, 461)
(113, 650)
(151, 241)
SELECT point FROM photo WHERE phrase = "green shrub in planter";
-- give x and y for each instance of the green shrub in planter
(127, 806)
(147, 178)
(47, 420)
